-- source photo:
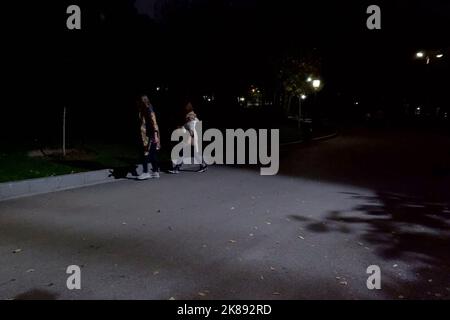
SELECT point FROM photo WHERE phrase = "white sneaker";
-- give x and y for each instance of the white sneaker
(154, 175)
(144, 176)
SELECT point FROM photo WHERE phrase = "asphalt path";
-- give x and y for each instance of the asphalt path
(335, 208)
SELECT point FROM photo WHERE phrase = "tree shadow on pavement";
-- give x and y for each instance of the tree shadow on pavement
(404, 214)
(398, 228)
(36, 294)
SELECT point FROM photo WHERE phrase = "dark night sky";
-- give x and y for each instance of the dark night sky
(321, 21)
(146, 7)
(218, 43)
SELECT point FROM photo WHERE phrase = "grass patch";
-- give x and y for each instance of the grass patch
(19, 165)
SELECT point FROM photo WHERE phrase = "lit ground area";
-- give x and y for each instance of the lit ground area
(336, 207)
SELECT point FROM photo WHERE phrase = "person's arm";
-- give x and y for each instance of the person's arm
(144, 135)
(190, 127)
(145, 139)
(190, 123)
(155, 127)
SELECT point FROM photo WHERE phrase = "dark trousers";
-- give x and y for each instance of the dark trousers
(151, 158)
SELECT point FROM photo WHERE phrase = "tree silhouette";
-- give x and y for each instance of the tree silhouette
(295, 75)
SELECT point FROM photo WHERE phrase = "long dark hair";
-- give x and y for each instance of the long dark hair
(140, 100)
(188, 107)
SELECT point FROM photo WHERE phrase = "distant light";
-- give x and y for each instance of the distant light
(242, 99)
(420, 54)
(316, 84)
(309, 79)
(303, 97)
(208, 98)
(418, 108)
(439, 55)
(158, 88)
(356, 103)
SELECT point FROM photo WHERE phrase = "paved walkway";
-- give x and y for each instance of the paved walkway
(336, 207)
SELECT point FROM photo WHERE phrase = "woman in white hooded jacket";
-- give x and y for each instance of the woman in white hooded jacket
(190, 126)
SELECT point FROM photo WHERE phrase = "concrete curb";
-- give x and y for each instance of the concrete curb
(330, 136)
(25, 188)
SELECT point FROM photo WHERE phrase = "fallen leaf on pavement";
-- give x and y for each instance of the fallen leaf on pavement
(30, 270)
(17, 251)
(276, 293)
(300, 237)
(232, 241)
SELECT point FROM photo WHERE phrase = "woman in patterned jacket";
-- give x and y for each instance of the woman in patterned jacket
(150, 138)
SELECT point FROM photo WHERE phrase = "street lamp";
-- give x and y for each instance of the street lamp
(421, 55)
(316, 84)
(302, 97)
(429, 56)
